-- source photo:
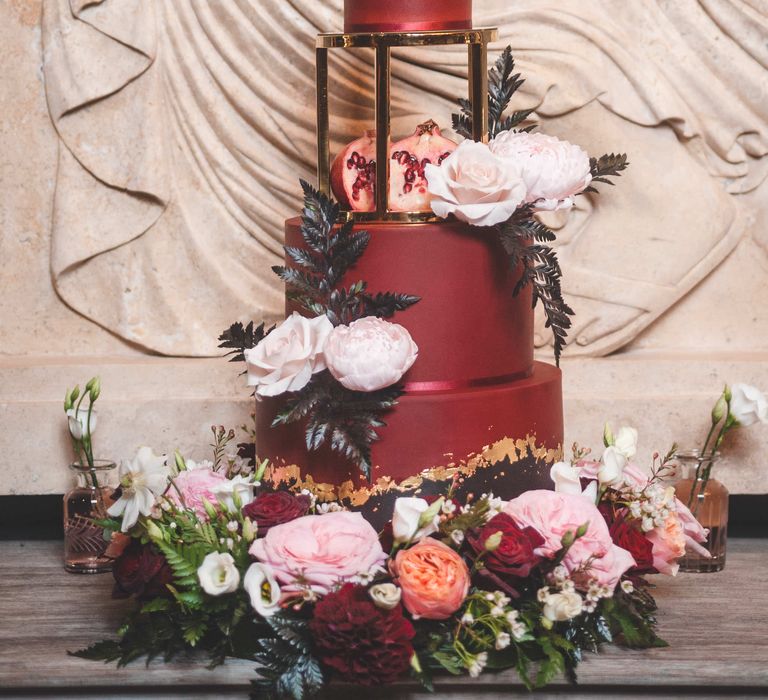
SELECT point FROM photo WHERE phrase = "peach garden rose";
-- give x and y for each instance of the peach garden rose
(433, 578)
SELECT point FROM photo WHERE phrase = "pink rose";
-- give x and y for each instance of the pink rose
(554, 171)
(668, 545)
(288, 357)
(475, 186)
(553, 514)
(370, 353)
(320, 551)
(194, 485)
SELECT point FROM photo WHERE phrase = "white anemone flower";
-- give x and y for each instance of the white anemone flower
(142, 479)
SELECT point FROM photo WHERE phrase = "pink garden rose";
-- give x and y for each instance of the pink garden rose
(554, 171)
(194, 485)
(288, 357)
(553, 514)
(370, 353)
(320, 551)
(475, 186)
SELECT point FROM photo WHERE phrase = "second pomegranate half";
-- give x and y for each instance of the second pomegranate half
(353, 172)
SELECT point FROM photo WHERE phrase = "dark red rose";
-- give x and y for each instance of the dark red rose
(276, 507)
(361, 643)
(514, 558)
(141, 571)
(626, 533)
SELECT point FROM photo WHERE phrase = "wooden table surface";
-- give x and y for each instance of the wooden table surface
(716, 624)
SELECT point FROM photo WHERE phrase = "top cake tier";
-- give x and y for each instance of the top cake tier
(406, 15)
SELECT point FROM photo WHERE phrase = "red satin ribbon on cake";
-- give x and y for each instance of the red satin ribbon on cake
(459, 384)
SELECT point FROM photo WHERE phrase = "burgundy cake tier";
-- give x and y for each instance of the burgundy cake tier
(406, 15)
(470, 328)
(475, 402)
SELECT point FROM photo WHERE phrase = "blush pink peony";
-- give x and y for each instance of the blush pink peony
(194, 485)
(554, 171)
(320, 551)
(553, 514)
(370, 353)
(288, 357)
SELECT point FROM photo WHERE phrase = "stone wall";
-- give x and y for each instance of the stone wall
(674, 356)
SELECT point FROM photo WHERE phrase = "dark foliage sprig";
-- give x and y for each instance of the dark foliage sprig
(605, 167)
(346, 420)
(503, 83)
(239, 338)
(541, 269)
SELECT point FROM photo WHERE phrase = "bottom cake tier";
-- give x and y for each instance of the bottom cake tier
(501, 438)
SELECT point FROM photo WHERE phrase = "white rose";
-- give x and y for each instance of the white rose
(748, 404)
(370, 353)
(288, 357)
(554, 171)
(626, 441)
(385, 595)
(475, 186)
(78, 422)
(567, 479)
(559, 607)
(611, 469)
(242, 485)
(218, 574)
(407, 519)
(261, 585)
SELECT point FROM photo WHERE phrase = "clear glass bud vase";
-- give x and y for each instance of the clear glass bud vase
(709, 504)
(85, 544)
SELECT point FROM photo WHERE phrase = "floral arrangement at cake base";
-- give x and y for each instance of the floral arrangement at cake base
(311, 592)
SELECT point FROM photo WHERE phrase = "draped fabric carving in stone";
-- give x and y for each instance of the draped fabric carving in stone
(185, 124)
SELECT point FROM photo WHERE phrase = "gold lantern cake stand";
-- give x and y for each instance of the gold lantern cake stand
(476, 41)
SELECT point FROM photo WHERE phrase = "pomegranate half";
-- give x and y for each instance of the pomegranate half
(353, 172)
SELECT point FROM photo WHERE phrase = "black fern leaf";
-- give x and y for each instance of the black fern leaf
(386, 304)
(540, 268)
(238, 338)
(605, 167)
(502, 85)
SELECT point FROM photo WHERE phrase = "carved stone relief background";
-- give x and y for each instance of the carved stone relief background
(151, 149)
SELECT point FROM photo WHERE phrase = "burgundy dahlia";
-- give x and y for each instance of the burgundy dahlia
(514, 558)
(275, 508)
(360, 642)
(141, 571)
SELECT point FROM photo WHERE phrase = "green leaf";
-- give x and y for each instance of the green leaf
(449, 661)
(156, 605)
(106, 650)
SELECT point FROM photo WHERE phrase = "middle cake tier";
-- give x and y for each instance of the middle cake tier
(470, 327)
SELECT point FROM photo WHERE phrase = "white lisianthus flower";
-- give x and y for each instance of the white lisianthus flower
(611, 469)
(370, 353)
(385, 595)
(475, 186)
(566, 478)
(218, 574)
(225, 491)
(626, 441)
(408, 517)
(554, 171)
(77, 420)
(142, 479)
(288, 357)
(261, 585)
(748, 404)
(566, 605)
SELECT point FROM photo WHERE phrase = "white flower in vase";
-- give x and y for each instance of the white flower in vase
(77, 418)
(142, 479)
(218, 574)
(748, 404)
